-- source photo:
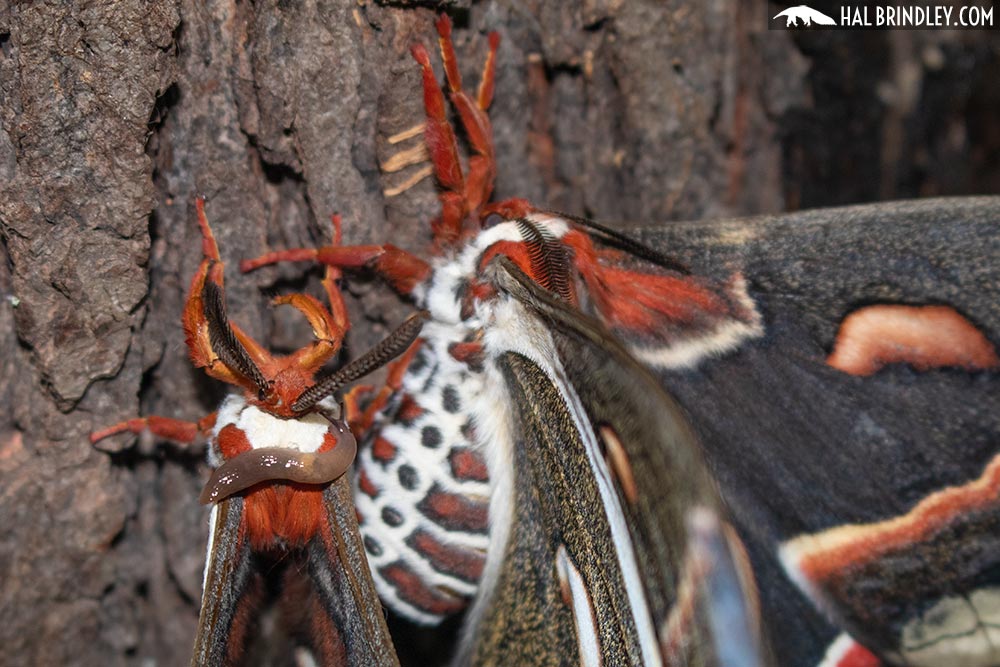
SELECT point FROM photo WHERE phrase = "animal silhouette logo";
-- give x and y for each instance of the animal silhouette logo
(807, 15)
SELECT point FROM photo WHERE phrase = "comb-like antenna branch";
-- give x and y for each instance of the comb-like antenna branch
(624, 242)
(550, 262)
(395, 344)
(224, 342)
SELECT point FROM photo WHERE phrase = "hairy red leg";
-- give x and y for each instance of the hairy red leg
(361, 420)
(482, 165)
(176, 430)
(353, 410)
(443, 149)
(355, 256)
(462, 195)
(193, 319)
(402, 269)
(328, 325)
(338, 311)
(329, 333)
(484, 96)
(447, 48)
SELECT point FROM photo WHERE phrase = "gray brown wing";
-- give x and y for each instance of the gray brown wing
(349, 624)
(909, 458)
(617, 545)
(230, 584)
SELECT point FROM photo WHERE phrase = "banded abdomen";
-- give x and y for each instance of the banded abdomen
(423, 490)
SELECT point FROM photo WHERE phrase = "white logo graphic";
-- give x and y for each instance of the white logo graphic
(808, 16)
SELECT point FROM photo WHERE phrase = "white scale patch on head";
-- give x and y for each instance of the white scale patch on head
(555, 225)
(303, 434)
(450, 273)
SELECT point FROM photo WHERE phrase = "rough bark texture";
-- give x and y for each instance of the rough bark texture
(115, 114)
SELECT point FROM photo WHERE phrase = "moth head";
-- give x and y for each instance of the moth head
(271, 382)
(227, 353)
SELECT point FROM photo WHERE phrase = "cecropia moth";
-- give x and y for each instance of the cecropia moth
(837, 381)
(281, 507)
(504, 460)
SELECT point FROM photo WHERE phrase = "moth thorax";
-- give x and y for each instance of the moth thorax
(240, 426)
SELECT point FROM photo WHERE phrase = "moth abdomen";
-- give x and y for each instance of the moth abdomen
(424, 490)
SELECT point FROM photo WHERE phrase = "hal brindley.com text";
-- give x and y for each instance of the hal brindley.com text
(916, 16)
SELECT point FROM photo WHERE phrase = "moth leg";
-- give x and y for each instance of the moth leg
(401, 269)
(338, 310)
(194, 320)
(328, 325)
(475, 121)
(353, 402)
(462, 194)
(361, 419)
(329, 331)
(443, 148)
(175, 430)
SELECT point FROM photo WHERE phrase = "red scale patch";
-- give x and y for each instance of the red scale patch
(411, 589)
(466, 564)
(845, 652)
(409, 409)
(454, 511)
(859, 656)
(470, 353)
(468, 465)
(288, 511)
(383, 450)
(366, 485)
(232, 441)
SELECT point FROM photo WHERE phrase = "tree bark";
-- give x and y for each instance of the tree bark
(116, 114)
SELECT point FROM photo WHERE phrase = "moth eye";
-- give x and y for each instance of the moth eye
(492, 220)
(266, 395)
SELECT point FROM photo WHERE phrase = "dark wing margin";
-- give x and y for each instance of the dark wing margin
(569, 583)
(229, 579)
(349, 627)
(819, 466)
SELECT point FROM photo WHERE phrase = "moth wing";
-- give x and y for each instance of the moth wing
(616, 547)
(230, 578)
(343, 616)
(348, 624)
(874, 497)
